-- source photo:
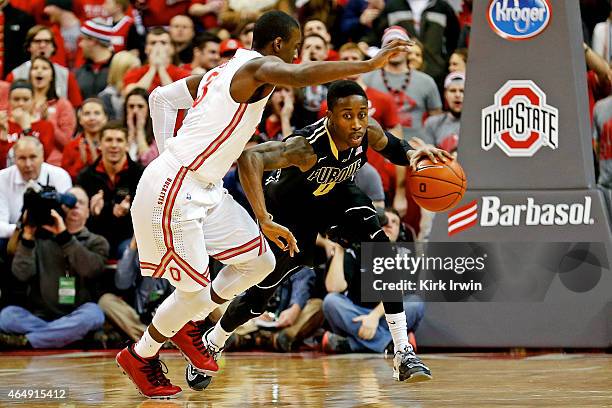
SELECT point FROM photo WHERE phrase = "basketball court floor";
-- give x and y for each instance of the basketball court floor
(314, 380)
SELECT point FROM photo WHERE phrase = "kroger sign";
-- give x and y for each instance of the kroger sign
(519, 19)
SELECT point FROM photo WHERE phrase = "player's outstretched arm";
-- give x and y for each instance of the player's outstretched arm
(269, 156)
(273, 70)
(398, 151)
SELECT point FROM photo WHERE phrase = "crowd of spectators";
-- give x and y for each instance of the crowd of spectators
(75, 76)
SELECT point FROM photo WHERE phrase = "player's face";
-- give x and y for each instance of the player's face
(454, 97)
(113, 146)
(349, 121)
(289, 49)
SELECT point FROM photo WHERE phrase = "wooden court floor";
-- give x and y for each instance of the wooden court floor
(315, 380)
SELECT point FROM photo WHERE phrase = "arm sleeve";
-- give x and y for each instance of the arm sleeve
(164, 104)
(598, 42)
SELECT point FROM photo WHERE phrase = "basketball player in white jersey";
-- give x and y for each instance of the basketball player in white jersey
(181, 213)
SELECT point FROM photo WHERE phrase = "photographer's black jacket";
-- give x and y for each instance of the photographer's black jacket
(94, 178)
(41, 262)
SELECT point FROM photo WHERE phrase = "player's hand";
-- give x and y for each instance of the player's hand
(58, 224)
(429, 152)
(388, 51)
(289, 316)
(369, 324)
(275, 232)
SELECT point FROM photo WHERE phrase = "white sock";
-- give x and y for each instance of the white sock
(218, 336)
(398, 329)
(147, 346)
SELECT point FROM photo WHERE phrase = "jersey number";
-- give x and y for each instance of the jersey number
(324, 189)
(210, 78)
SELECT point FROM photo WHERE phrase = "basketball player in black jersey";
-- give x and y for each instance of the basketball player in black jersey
(314, 191)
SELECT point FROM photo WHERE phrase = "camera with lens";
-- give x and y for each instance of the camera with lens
(40, 200)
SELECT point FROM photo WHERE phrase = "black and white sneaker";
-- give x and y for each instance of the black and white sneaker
(408, 367)
(197, 380)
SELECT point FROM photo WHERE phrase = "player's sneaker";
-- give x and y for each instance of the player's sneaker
(408, 367)
(197, 380)
(147, 374)
(189, 342)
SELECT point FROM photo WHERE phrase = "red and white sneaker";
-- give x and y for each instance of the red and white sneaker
(147, 374)
(189, 342)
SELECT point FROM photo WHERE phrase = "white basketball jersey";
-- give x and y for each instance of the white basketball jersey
(217, 128)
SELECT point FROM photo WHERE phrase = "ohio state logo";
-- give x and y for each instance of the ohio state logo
(520, 121)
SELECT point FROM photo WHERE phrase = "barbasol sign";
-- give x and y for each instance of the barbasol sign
(519, 19)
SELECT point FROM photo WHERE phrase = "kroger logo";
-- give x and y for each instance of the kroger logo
(519, 19)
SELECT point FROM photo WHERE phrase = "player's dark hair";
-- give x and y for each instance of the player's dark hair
(271, 25)
(342, 89)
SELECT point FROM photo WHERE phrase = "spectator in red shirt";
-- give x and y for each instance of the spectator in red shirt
(83, 150)
(41, 43)
(159, 70)
(21, 122)
(206, 54)
(66, 23)
(47, 105)
(182, 32)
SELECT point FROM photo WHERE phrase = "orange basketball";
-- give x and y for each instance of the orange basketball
(437, 186)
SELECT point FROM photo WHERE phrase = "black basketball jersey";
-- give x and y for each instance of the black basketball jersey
(332, 167)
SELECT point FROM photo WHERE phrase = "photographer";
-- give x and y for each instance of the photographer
(358, 326)
(60, 263)
(28, 167)
(110, 183)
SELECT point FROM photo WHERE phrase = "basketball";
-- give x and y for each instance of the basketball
(437, 186)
